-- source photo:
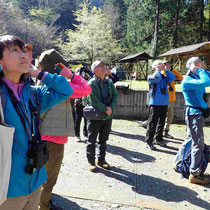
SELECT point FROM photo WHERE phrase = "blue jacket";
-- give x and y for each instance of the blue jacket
(193, 88)
(57, 89)
(157, 81)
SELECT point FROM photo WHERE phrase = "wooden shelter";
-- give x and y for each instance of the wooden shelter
(184, 53)
(140, 60)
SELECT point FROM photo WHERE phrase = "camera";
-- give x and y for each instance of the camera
(163, 91)
(38, 155)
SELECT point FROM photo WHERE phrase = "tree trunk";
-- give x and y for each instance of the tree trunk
(40, 4)
(209, 27)
(201, 21)
(175, 35)
(155, 40)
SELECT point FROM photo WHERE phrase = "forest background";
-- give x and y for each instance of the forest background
(106, 29)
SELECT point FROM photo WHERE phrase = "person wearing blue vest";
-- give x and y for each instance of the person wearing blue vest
(21, 112)
(193, 87)
(158, 103)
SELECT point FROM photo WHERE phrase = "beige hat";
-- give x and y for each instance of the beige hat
(95, 64)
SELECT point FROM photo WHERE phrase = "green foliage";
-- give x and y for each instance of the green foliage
(92, 38)
(129, 22)
(13, 21)
(140, 25)
(43, 15)
(116, 11)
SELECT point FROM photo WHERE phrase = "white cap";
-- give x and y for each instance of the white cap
(191, 61)
(95, 64)
(155, 63)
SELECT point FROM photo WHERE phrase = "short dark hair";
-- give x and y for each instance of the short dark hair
(8, 41)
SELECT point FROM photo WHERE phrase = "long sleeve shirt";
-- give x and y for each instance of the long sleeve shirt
(193, 87)
(160, 97)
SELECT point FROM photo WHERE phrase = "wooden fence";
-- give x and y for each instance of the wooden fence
(132, 105)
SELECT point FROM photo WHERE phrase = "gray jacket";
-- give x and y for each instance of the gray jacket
(58, 120)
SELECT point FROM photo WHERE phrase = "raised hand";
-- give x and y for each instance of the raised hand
(63, 70)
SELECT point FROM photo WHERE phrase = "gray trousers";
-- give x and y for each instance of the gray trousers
(195, 133)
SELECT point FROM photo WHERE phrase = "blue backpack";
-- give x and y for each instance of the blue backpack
(183, 166)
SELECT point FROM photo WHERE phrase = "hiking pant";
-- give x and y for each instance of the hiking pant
(78, 119)
(95, 128)
(156, 122)
(170, 115)
(52, 166)
(26, 202)
(195, 133)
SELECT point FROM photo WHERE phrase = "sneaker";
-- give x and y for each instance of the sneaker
(104, 165)
(167, 135)
(200, 179)
(78, 139)
(152, 147)
(92, 167)
(161, 143)
(143, 124)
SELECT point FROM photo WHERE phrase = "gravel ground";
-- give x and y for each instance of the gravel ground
(138, 179)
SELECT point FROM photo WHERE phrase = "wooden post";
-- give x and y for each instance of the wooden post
(180, 63)
(147, 69)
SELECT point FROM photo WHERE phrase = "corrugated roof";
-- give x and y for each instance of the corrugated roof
(184, 49)
(140, 56)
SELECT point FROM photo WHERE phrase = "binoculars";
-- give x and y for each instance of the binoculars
(38, 155)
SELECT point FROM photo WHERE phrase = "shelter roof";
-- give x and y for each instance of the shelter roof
(187, 49)
(135, 58)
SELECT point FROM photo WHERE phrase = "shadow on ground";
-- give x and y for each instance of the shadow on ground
(164, 150)
(178, 139)
(128, 136)
(141, 138)
(65, 204)
(131, 156)
(156, 187)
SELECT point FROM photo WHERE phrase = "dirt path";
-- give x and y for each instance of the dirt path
(138, 178)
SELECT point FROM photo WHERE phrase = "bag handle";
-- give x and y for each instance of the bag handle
(1, 113)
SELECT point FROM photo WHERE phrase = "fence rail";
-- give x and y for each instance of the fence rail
(132, 105)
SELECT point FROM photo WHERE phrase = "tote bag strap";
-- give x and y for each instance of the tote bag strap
(1, 112)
